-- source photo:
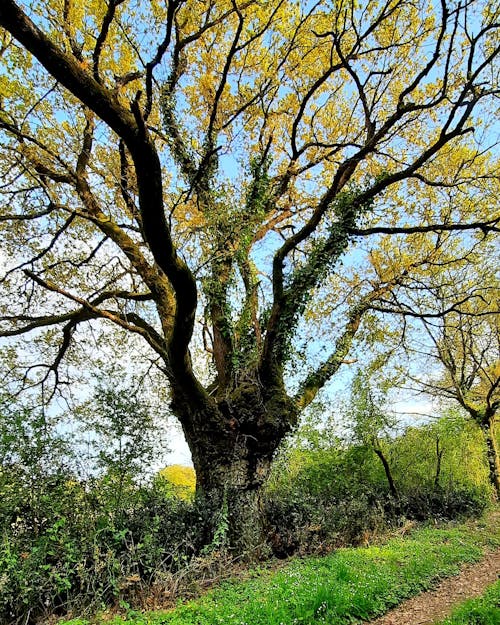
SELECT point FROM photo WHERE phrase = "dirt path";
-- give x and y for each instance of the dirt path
(434, 605)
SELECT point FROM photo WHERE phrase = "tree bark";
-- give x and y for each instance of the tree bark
(439, 457)
(232, 447)
(388, 472)
(492, 456)
(231, 490)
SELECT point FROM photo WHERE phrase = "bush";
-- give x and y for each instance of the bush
(68, 543)
(317, 527)
(82, 553)
(441, 504)
(319, 498)
(322, 494)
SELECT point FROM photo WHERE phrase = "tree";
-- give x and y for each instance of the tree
(460, 343)
(156, 155)
(467, 345)
(35, 460)
(371, 424)
(123, 438)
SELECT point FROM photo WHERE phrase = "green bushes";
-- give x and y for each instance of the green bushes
(440, 504)
(83, 553)
(69, 541)
(321, 498)
(331, 493)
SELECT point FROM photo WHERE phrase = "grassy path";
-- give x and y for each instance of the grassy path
(434, 605)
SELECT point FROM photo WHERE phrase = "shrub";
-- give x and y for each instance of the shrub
(68, 543)
(82, 553)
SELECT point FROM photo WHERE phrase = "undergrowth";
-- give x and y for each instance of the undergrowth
(348, 586)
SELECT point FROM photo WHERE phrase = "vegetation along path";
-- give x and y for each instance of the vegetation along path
(434, 605)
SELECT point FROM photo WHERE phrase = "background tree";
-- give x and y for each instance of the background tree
(182, 162)
(469, 349)
(467, 345)
(180, 480)
(371, 424)
(444, 454)
(35, 457)
(123, 438)
(457, 309)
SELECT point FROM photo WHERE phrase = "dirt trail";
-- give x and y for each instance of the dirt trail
(434, 605)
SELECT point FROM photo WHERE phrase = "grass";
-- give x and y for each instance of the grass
(348, 586)
(484, 610)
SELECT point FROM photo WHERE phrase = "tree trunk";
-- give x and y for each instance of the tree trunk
(232, 449)
(492, 455)
(439, 457)
(231, 488)
(388, 472)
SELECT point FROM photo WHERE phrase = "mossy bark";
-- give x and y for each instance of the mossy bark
(492, 456)
(232, 447)
(231, 491)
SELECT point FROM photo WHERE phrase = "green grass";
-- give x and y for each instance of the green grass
(348, 586)
(484, 610)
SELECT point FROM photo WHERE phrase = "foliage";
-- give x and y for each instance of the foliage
(484, 610)
(453, 441)
(123, 440)
(370, 421)
(334, 493)
(89, 550)
(68, 541)
(344, 587)
(181, 480)
(124, 429)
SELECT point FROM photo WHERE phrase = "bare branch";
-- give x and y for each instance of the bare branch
(129, 321)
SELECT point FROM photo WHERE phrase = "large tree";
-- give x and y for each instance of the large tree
(168, 162)
(467, 344)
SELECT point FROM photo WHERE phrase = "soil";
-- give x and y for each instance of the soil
(437, 604)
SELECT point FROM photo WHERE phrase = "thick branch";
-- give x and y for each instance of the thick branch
(43, 321)
(491, 225)
(315, 381)
(105, 104)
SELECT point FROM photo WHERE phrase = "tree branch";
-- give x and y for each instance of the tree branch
(128, 321)
(315, 381)
(106, 105)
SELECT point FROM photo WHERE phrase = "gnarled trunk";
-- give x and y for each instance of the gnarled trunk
(232, 450)
(231, 488)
